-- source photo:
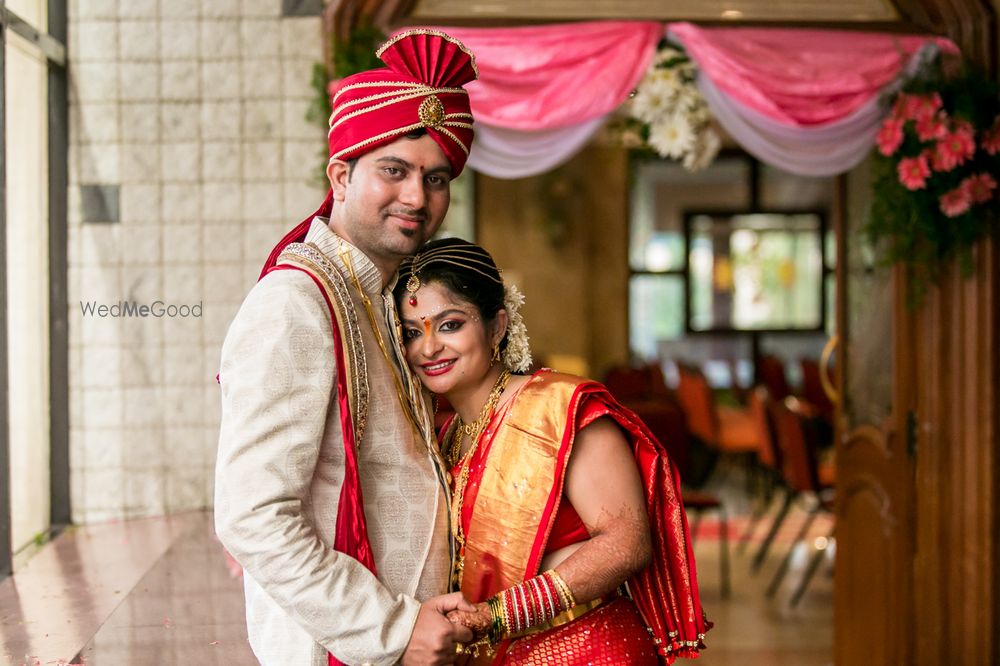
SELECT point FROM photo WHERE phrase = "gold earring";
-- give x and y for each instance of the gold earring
(496, 353)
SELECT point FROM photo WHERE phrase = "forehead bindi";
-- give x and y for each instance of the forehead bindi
(430, 304)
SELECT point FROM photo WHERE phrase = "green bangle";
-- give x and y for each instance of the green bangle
(496, 626)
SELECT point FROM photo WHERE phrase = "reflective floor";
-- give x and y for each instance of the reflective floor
(158, 591)
(152, 591)
(752, 629)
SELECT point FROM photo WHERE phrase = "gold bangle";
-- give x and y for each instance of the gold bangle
(507, 629)
(570, 600)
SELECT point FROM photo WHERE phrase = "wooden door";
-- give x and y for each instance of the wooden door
(875, 471)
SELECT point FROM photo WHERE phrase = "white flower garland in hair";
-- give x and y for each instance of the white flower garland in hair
(517, 355)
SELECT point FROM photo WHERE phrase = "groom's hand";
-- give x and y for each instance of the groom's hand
(434, 637)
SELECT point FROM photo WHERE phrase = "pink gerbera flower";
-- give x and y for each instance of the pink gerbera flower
(991, 143)
(955, 148)
(991, 138)
(890, 136)
(913, 172)
(979, 187)
(917, 107)
(932, 127)
(955, 202)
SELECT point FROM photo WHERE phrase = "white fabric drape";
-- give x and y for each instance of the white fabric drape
(807, 151)
(510, 154)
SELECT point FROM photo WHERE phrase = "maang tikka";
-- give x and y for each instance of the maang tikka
(412, 285)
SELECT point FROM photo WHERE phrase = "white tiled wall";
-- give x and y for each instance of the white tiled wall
(195, 110)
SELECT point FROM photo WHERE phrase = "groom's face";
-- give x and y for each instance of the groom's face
(394, 199)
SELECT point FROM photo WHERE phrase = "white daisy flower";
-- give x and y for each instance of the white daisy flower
(655, 97)
(672, 136)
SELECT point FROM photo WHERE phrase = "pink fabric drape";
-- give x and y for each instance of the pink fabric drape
(806, 101)
(799, 77)
(545, 77)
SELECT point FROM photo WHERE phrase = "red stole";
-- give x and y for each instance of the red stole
(351, 536)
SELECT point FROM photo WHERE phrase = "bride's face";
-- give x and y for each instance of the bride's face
(448, 345)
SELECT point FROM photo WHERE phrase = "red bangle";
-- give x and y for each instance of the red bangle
(515, 622)
(536, 595)
(551, 594)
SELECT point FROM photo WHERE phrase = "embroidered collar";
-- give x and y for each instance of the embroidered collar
(329, 243)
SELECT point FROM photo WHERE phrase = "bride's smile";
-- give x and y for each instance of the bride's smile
(447, 343)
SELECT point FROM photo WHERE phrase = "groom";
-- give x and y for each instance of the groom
(329, 488)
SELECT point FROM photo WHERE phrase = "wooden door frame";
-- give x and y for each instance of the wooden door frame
(948, 377)
(952, 382)
(6, 559)
(50, 43)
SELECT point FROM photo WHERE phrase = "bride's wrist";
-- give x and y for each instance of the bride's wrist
(528, 604)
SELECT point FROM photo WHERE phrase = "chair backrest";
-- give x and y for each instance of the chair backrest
(812, 387)
(666, 421)
(695, 396)
(768, 453)
(657, 382)
(798, 458)
(627, 383)
(771, 373)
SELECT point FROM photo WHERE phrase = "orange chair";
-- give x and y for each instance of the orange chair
(768, 458)
(812, 389)
(801, 470)
(698, 502)
(666, 421)
(727, 430)
(771, 373)
(628, 384)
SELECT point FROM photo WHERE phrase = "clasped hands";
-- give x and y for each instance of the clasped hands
(445, 624)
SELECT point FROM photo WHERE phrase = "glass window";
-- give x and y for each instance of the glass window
(756, 271)
(708, 290)
(660, 195)
(656, 312)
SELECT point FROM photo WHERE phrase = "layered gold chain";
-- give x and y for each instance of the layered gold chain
(474, 431)
(404, 400)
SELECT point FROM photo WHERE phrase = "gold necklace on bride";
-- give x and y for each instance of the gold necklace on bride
(473, 430)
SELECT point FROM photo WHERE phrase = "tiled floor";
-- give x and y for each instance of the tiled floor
(158, 591)
(153, 591)
(752, 630)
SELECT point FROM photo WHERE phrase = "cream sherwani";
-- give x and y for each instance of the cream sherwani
(281, 465)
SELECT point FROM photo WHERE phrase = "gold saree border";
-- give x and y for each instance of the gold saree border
(521, 485)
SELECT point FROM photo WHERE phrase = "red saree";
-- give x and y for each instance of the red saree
(509, 507)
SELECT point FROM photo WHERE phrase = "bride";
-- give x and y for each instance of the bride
(571, 539)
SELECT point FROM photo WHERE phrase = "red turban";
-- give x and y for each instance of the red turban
(421, 88)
